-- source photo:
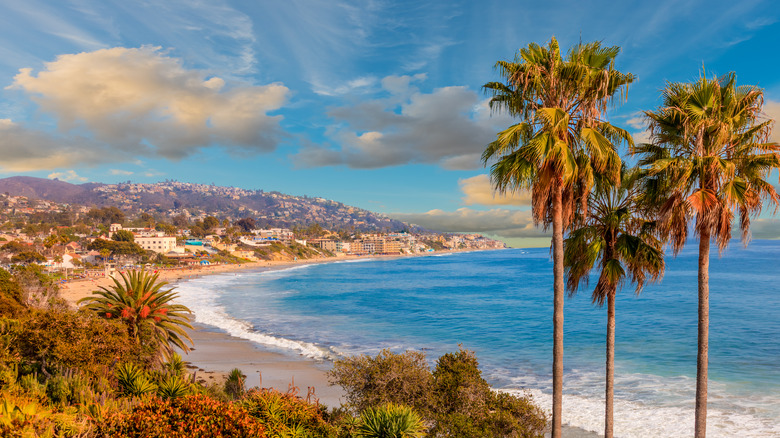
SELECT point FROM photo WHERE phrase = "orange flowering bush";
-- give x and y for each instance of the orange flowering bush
(286, 414)
(193, 416)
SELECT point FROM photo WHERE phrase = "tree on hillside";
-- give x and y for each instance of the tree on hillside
(106, 216)
(246, 224)
(147, 220)
(180, 221)
(209, 223)
(561, 140)
(709, 157)
(167, 228)
(139, 300)
(15, 247)
(620, 243)
(123, 236)
(28, 257)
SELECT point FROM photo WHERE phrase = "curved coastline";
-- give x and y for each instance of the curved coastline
(217, 351)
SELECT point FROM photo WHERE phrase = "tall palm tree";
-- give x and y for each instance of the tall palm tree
(709, 157)
(562, 139)
(618, 239)
(140, 301)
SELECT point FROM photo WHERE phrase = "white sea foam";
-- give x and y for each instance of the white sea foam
(201, 297)
(635, 419)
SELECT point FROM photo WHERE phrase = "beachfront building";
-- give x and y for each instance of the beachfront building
(282, 235)
(328, 244)
(160, 244)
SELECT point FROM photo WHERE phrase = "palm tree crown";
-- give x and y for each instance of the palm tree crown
(709, 156)
(618, 238)
(140, 301)
(563, 136)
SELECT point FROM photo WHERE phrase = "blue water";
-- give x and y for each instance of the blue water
(499, 304)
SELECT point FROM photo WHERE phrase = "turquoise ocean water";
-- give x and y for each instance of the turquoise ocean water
(499, 304)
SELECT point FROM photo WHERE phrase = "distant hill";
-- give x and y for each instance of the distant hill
(172, 198)
(48, 189)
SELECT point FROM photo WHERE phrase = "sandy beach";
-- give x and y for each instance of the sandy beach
(215, 353)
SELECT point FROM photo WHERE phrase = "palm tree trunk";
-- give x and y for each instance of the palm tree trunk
(558, 290)
(704, 329)
(610, 392)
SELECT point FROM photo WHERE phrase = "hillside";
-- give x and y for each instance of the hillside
(172, 198)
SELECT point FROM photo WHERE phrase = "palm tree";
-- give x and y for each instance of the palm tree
(709, 157)
(622, 243)
(140, 301)
(562, 139)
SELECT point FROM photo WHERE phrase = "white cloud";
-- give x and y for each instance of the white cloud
(762, 228)
(449, 126)
(120, 172)
(69, 175)
(25, 150)
(772, 110)
(142, 102)
(641, 133)
(499, 222)
(478, 190)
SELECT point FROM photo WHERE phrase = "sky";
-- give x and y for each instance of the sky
(376, 104)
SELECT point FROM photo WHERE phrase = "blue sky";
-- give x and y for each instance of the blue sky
(376, 104)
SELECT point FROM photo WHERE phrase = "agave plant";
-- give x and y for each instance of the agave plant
(133, 381)
(390, 421)
(140, 301)
(173, 387)
(174, 366)
(234, 384)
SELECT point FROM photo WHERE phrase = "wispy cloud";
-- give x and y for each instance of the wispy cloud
(120, 172)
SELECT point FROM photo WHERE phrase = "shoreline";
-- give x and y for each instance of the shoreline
(216, 353)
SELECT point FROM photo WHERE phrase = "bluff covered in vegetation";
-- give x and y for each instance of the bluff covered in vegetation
(173, 198)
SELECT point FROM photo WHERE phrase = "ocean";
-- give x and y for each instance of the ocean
(499, 304)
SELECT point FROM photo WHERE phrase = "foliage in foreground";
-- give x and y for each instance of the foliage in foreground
(285, 414)
(77, 374)
(140, 301)
(192, 416)
(454, 399)
(391, 421)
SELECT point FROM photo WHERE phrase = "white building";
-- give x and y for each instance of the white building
(159, 244)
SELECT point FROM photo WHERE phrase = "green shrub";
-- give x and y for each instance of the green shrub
(391, 421)
(192, 416)
(26, 417)
(466, 406)
(173, 387)
(11, 301)
(234, 384)
(174, 366)
(454, 399)
(387, 378)
(286, 414)
(133, 381)
(65, 339)
(58, 390)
